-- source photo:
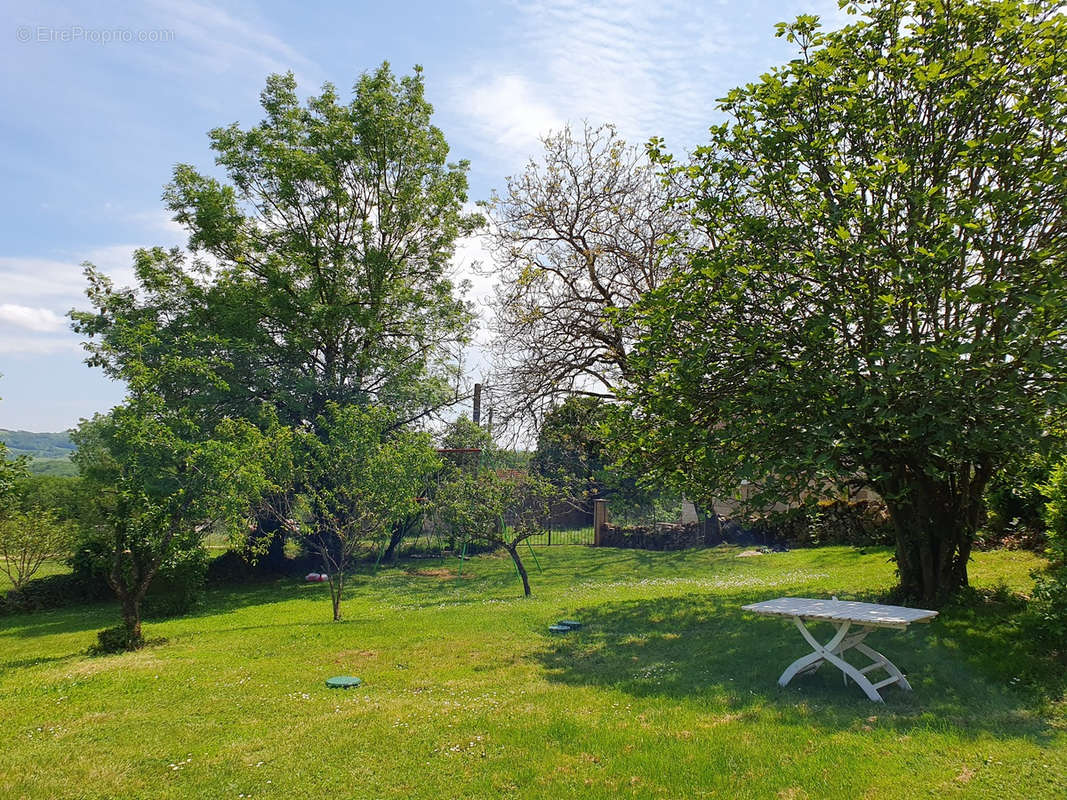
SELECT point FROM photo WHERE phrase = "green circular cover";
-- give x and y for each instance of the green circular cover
(343, 682)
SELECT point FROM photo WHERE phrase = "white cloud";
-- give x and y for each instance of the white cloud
(58, 285)
(32, 319)
(38, 281)
(37, 345)
(37, 293)
(631, 63)
(652, 69)
(507, 114)
(216, 41)
(160, 222)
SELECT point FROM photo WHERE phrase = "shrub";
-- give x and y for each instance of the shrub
(41, 594)
(90, 563)
(1056, 513)
(1046, 618)
(115, 640)
(1015, 498)
(178, 586)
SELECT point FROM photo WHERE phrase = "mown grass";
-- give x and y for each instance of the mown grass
(668, 691)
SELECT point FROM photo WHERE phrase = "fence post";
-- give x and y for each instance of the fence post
(600, 518)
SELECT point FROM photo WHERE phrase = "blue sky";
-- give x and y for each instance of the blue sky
(98, 104)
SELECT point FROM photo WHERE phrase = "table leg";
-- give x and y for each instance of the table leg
(885, 664)
(831, 652)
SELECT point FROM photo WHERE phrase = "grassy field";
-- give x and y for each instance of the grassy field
(668, 692)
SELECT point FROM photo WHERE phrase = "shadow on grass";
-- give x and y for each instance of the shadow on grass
(74, 619)
(36, 661)
(704, 649)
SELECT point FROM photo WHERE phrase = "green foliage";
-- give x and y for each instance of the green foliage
(178, 585)
(1047, 615)
(576, 453)
(473, 504)
(463, 433)
(229, 568)
(46, 592)
(885, 299)
(27, 539)
(629, 504)
(1017, 497)
(497, 508)
(318, 271)
(175, 589)
(58, 467)
(65, 496)
(12, 473)
(830, 522)
(571, 445)
(330, 241)
(117, 639)
(359, 475)
(1056, 513)
(91, 560)
(160, 481)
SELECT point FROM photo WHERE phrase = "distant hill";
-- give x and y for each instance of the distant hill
(38, 445)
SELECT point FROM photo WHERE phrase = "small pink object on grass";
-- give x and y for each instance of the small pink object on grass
(316, 577)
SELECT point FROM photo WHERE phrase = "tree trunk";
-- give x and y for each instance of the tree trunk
(337, 585)
(131, 619)
(935, 520)
(521, 569)
(400, 530)
(271, 529)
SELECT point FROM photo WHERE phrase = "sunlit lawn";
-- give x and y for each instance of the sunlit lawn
(668, 691)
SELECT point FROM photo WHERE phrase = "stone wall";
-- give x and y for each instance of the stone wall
(836, 522)
(662, 536)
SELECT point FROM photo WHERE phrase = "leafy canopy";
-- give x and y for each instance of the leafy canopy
(318, 269)
(886, 304)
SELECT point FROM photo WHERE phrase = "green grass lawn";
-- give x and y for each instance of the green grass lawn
(669, 690)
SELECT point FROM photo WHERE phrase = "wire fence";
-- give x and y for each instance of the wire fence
(583, 535)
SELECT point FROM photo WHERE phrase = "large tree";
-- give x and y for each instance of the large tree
(575, 239)
(318, 267)
(885, 305)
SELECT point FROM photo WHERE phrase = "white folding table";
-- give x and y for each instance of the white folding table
(853, 621)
